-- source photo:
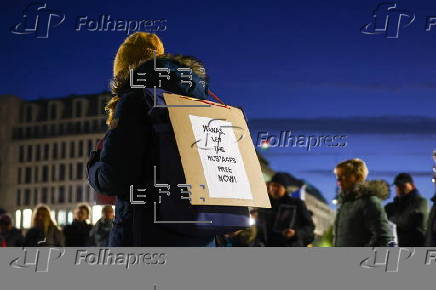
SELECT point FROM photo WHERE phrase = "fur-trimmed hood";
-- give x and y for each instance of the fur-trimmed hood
(379, 188)
(121, 83)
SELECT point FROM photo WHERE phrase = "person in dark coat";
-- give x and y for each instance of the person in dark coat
(408, 212)
(9, 235)
(287, 223)
(360, 218)
(77, 234)
(123, 161)
(430, 239)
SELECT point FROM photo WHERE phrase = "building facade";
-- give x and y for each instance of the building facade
(44, 147)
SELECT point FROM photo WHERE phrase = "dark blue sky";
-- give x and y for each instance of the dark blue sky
(275, 58)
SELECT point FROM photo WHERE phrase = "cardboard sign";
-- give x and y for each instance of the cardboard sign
(217, 153)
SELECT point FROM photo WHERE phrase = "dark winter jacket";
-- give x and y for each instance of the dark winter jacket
(286, 212)
(35, 238)
(125, 158)
(99, 235)
(360, 218)
(77, 234)
(430, 240)
(11, 238)
(409, 213)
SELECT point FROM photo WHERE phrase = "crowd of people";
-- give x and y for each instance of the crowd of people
(44, 231)
(361, 220)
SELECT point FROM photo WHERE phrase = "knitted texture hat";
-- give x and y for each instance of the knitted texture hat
(136, 48)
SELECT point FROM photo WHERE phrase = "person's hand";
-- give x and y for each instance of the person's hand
(288, 233)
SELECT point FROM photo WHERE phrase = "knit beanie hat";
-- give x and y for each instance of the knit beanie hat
(137, 47)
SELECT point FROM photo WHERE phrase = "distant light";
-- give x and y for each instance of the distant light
(18, 219)
(264, 145)
(70, 217)
(96, 213)
(252, 221)
(27, 218)
(334, 201)
(62, 217)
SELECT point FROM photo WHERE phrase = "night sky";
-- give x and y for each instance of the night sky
(275, 58)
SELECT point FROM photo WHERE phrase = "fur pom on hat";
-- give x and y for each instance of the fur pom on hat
(136, 48)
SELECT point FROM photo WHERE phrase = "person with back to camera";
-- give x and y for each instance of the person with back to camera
(127, 148)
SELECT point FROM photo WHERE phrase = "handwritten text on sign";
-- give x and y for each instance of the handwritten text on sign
(221, 159)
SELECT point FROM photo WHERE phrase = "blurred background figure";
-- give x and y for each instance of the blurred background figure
(287, 223)
(99, 234)
(77, 234)
(9, 235)
(430, 240)
(44, 231)
(408, 212)
(360, 218)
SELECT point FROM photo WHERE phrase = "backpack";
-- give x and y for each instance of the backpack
(171, 207)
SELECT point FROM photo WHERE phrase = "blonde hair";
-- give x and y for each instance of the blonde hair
(47, 218)
(356, 167)
(135, 49)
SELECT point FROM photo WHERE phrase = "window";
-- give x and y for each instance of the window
(70, 171)
(44, 130)
(46, 151)
(44, 195)
(53, 111)
(45, 173)
(55, 151)
(62, 172)
(61, 129)
(53, 173)
(79, 193)
(38, 152)
(79, 108)
(80, 148)
(18, 200)
(87, 193)
(19, 176)
(63, 150)
(28, 114)
(35, 196)
(77, 127)
(61, 194)
(53, 130)
(86, 126)
(79, 170)
(28, 175)
(27, 197)
(36, 175)
(52, 196)
(72, 149)
(28, 132)
(21, 154)
(29, 153)
(70, 193)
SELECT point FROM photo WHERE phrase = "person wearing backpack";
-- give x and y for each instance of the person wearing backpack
(135, 142)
